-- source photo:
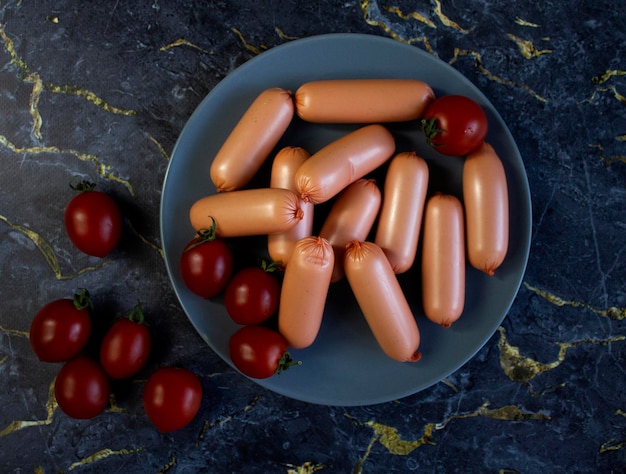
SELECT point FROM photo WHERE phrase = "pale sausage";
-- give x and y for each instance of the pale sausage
(443, 260)
(343, 161)
(363, 100)
(382, 301)
(351, 217)
(304, 291)
(281, 244)
(247, 212)
(486, 201)
(400, 221)
(252, 139)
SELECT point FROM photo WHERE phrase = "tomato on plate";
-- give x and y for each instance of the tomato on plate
(82, 388)
(259, 352)
(125, 347)
(206, 263)
(93, 221)
(455, 125)
(172, 398)
(253, 294)
(61, 329)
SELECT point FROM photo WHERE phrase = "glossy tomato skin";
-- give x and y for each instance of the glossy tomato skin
(125, 349)
(259, 352)
(172, 398)
(60, 331)
(82, 388)
(458, 125)
(252, 296)
(206, 266)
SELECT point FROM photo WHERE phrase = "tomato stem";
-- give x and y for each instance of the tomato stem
(431, 130)
(285, 362)
(270, 266)
(82, 300)
(136, 314)
(205, 234)
(83, 187)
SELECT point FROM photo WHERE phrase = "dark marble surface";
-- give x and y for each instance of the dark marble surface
(103, 91)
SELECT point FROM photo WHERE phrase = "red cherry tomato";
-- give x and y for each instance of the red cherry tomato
(126, 346)
(81, 388)
(252, 295)
(455, 125)
(206, 264)
(171, 398)
(61, 329)
(93, 221)
(259, 352)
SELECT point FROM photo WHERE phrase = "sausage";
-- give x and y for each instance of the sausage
(486, 201)
(304, 291)
(351, 217)
(443, 259)
(252, 139)
(363, 100)
(400, 221)
(382, 301)
(343, 161)
(281, 244)
(247, 212)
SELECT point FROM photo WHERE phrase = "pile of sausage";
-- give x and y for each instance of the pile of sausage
(476, 229)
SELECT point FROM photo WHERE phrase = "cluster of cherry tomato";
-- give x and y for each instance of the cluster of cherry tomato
(251, 298)
(62, 330)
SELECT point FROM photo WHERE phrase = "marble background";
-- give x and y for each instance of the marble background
(102, 91)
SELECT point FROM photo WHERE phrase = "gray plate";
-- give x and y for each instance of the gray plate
(345, 366)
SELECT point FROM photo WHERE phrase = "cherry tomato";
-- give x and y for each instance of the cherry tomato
(171, 398)
(126, 346)
(81, 388)
(253, 294)
(455, 125)
(259, 352)
(61, 329)
(93, 221)
(206, 264)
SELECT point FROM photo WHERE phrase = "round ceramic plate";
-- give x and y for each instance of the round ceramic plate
(345, 366)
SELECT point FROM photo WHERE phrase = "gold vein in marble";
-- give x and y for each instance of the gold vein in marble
(611, 445)
(34, 107)
(523, 22)
(389, 437)
(89, 96)
(447, 21)
(306, 468)
(48, 253)
(160, 147)
(14, 332)
(168, 466)
(611, 159)
(103, 169)
(505, 413)
(527, 48)
(613, 312)
(492, 77)
(606, 75)
(208, 426)
(28, 76)
(102, 454)
(612, 89)
(365, 8)
(410, 16)
(4, 359)
(523, 369)
(183, 42)
(51, 406)
(283, 35)
(253, 49)
(153, 246)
